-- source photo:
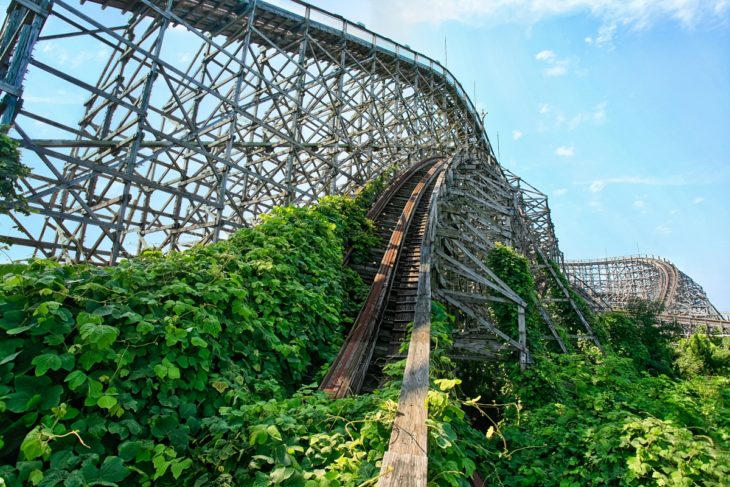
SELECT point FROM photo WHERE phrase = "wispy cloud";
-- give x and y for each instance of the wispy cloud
(546, 55)
(598, 185)
(517, 134)
(605, 36)
(565, 151)
(597, 116)
(555, 66)
(554, 117)
(640, 204)
(596, 206)
(637, 14)
(698, 200)
(560, 191)
(61, 55)
(663, 230)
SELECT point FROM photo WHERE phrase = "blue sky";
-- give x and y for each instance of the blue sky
(618, 110)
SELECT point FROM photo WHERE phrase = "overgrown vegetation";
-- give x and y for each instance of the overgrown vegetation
(113, 374)
(11, 170)
(636, 333)
(188, 368)
(651, 410)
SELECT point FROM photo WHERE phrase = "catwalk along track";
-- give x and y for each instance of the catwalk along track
(401, 217)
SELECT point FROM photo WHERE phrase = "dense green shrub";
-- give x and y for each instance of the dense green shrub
(107, 374)
(11, 170)
(703, 355)
(637, 333)
(595, 419)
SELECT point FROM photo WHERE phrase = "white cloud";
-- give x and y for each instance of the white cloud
(599, 114)
(637, 14)
(673, 211)
(555, 65)
(598, 185)
(639, 204)
(546, 55)
(596, 116)
(565, 151)
(698, 200)
(663, 230)
(556, 70)
(605, 35)
(560, 191)
(560, 120)
(517, 134)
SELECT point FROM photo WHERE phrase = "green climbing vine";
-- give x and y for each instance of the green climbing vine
(11, 170)
(109, 374)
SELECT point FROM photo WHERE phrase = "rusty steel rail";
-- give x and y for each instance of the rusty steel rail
(351, 364)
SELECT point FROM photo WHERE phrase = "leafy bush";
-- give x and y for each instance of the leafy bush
(108, 374)
(637, 333)
(11, 169)
(596, 420)
(703, 355)
(514, 270)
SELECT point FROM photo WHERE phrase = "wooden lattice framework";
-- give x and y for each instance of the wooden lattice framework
(615, 281)
(277, 105)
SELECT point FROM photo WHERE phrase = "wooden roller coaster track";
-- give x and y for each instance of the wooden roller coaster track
(390, 304)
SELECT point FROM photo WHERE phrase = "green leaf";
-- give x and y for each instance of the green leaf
(113, 470)
(162, 425)
(45, 362)
(10, 357)
(75, 379)
(258, 435)
(178, 467)
(447, 384)
(281, 474)
(35, 477)
(273, 431)
(33, 392)
(20, 329)
(144, 327)
(101, 336)
(106, 402)
(160, 465)
(34, 445)
(67, 361)
(105, 310)
(160, 371)
(197, 341)
(129, 449)
(173, 372)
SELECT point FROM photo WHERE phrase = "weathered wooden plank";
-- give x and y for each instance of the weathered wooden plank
(405, 462)
(403, 470)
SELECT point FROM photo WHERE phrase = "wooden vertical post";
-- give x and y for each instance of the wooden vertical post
(522, 330)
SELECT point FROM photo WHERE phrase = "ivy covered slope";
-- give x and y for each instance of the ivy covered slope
(653, 409)
(113, 374)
